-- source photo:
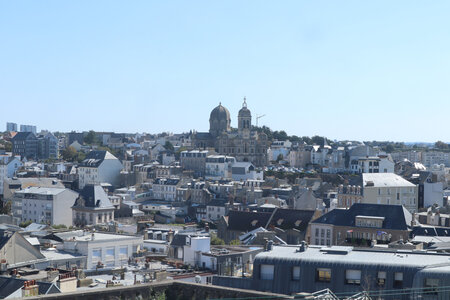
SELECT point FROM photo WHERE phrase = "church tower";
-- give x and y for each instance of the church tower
(244, 121)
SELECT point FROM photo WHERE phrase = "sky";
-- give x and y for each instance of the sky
(347, 70)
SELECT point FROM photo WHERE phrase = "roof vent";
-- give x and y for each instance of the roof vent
(370, 183)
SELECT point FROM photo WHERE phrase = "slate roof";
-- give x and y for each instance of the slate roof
(396, 217)
(95, 158)
(93, 196)
(9, 285)
(430, 231)
(21, 136)
(282, 218)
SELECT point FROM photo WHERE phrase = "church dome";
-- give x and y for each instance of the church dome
(219, 120)
(244, 111)
(220, 113)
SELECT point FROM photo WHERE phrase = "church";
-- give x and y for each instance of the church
(244, 143)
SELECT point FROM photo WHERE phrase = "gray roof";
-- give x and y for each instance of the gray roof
(385, 180)
(396, 217)
(93, 196)
(95, 158)
(349, 255)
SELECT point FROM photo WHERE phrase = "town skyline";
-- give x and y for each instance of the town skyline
(157, 67)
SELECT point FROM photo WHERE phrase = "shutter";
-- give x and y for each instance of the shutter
(399, 276)
(267, 272)
(296, 273)
(353, 274)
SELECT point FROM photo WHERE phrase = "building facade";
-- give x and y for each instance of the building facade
(244, 144)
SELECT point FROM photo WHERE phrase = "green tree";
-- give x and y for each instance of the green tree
(279, 157)
(215, 240)
(69, 154)
(168, 145)
(235, 242)
(90, 138)
(440, 145)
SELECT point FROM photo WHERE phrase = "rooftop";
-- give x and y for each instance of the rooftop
(385, 180)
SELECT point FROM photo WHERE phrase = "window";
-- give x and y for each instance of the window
(323, 275)
(398, 280)
(295, 273)
(317, 231)
(123, 251)
(328, 233)
(431, 286)
(110, 253)
(353, 276)
(96, 254)
(381, 278)
(266, 272)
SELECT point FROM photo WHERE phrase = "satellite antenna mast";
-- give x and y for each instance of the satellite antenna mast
(259, 117)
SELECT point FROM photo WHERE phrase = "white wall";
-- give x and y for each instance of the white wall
(433, 193)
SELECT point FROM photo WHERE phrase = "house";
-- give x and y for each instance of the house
(8, 167)
(102, 249)
(44, 205)
(92, 207)
(194, 160)
(218, 167)
(187, 245)
(229, 260)
(290, 225)
(15, 287)
(99, 167)
(165, 188)
(215, 209)
(361, 224)
(408, 274)
(389, 188)
(16, 251)
(25, 145)
(241, 171)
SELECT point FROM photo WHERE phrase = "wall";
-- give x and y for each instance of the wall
(163, 290)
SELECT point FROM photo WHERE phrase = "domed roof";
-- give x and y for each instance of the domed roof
(244, 111)
(220, 113)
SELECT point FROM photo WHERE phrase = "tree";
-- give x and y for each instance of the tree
(279, 157)
(216, 240)
(235, 242)
(69, 154)
(440, 145)
(90, 138)
(168, 145)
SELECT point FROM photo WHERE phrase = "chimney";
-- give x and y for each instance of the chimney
(92, 236)
(266, 244)
(170, 236)
(303, 247)
(206, 227)
(269, 245)
(145, 234)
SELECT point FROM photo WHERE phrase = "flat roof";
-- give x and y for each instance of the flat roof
(350, 255)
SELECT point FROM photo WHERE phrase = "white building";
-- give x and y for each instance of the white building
(195, 246)
(109, 250)
(279, 148)
(44, 205)
(389, 188)
(246, 171)
(165, 188)
(8, 168)
(28, 128)
(99, 167)
(218, 167)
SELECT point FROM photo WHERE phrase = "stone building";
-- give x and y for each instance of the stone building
(244, 143)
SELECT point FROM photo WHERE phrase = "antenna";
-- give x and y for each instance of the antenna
(259, 117)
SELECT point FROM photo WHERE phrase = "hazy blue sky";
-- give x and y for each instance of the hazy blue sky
(343, 69)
